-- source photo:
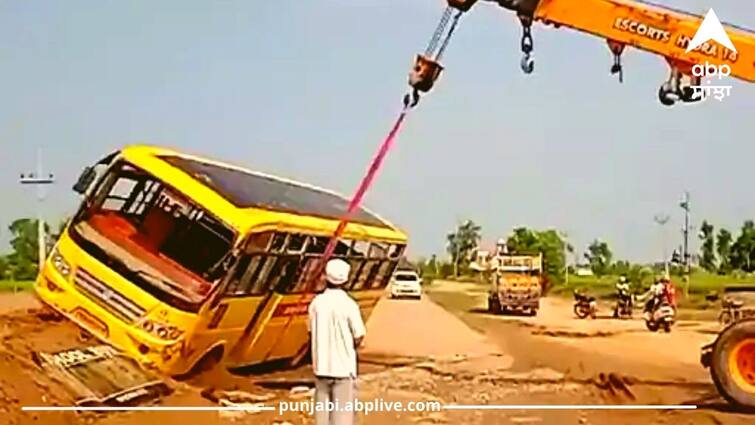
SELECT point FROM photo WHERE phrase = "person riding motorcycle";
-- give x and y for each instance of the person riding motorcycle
(623, 294)
(661, 290)
(622, 287)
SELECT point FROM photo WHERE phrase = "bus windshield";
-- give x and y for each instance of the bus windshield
(153, 235)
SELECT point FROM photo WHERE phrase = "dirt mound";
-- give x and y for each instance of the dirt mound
(22, 382)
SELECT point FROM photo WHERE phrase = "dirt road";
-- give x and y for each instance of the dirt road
(446, 351)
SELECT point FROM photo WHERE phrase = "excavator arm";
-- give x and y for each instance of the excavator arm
(650, 27)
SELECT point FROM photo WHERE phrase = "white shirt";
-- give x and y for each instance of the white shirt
(334, 322)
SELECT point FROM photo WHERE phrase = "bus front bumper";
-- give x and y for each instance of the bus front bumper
(58, 293)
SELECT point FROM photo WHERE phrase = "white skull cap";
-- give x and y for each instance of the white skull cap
(337, 271)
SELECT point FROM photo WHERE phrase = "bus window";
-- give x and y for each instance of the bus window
(317, 245)
(258, 280)
(360, 249)
(259, 242)
(119, 194)
(356, 265)
(395, 251)
(388, 273)
(365, 273)
(170, 242)
(296, 243)
(279, 242)
(309, 265)
(342, 247)
(383, 274)
(378, 250)
(372, 281)
(235, 282)
(283, 277)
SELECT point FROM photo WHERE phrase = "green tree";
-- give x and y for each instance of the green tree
(723, 248)
(599, 256)
(24, 258)
(743, 249)
(640, 276)
(547, 242)
(523, 240)
(621, 268)
(462, 242)
(4, 268)
(708, 248)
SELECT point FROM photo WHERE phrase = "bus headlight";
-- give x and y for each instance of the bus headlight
(60, 264)
(161, 330)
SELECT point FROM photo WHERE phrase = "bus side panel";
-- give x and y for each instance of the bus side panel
(289, 324)
(265, 341)
(281, 331)
(223, 325)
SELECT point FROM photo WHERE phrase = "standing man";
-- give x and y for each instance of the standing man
(336, 330)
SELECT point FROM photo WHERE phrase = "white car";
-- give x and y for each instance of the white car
(406, 283)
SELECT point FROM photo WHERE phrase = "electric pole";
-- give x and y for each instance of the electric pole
(662, 219)
(684, 204)
(39, 178)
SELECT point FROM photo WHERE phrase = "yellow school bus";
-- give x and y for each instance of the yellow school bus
(182, 261)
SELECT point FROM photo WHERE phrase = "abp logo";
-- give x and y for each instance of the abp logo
(711, 29)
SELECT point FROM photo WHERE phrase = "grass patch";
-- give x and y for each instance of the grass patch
(10, 286)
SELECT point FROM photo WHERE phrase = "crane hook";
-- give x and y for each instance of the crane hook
(528, 62)
(617, 48)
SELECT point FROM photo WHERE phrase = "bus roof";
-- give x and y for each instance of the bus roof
(247, 199)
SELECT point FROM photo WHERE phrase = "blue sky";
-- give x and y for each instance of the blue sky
(308, 89)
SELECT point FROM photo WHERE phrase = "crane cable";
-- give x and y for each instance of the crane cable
(410, 100)
(354, 203)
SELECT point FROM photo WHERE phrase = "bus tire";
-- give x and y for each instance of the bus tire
(208, 361)
(732, 364)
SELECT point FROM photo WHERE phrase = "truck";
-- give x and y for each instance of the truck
(516, 283)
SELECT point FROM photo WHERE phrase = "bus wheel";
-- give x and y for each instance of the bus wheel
(207, 362)
(732, 365)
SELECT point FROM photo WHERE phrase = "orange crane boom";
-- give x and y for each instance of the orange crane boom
(653, 28)
(646, 26)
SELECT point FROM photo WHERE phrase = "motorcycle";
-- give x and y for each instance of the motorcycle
(731, 311)
(624, 305)
(585, 306)
(661, 317)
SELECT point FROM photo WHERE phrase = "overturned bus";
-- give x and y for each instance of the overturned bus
(183, 262)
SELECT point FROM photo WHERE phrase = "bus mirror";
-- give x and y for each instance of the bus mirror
(85, 180)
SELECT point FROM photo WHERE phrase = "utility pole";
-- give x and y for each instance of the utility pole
(39, 178)
(662, 219)
(684, 204)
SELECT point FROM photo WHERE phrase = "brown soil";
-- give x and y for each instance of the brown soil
(418, 350)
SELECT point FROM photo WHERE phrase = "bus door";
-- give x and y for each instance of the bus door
(280, 330)
(241, 297)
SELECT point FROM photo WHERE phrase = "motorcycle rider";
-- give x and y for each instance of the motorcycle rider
(661, 290)
(623, 294)
(622, 286)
